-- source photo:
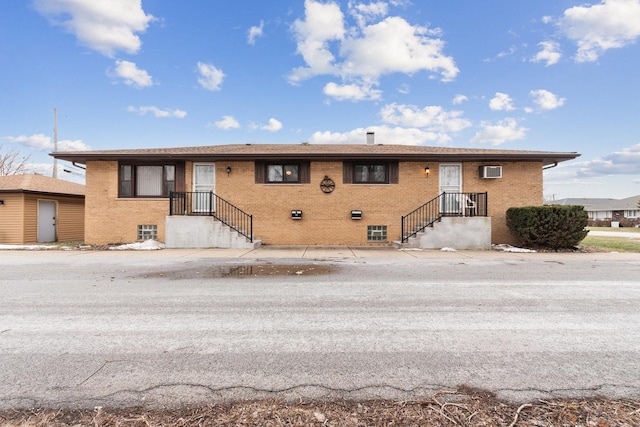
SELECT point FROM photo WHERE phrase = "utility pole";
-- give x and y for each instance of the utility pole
(55, 142)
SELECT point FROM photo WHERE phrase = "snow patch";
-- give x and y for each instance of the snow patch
(509, 248)
(147, 245)
(27, 247)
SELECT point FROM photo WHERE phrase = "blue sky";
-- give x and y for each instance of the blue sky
(555, 75)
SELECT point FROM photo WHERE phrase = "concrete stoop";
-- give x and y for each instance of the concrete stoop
(471, 233)
(203, 232)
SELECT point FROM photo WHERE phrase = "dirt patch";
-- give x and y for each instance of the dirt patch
(463, 407)
(240, 271)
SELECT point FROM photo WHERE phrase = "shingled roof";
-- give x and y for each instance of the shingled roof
(600, 204)
(308, 151)
(39, 184)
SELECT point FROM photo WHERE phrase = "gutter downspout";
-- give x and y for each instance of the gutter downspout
(550, 166)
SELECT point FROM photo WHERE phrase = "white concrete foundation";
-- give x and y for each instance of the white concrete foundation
(456, 233)
(202, 232)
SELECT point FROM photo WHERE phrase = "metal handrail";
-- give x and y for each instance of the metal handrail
(445, 204)
(210, 204)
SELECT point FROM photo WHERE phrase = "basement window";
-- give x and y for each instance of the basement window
(147, 232)
(377, 233)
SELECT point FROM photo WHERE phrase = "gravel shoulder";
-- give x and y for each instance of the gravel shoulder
(462, 407)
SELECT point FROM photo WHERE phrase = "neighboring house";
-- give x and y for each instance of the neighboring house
(40, 209)
(604, 212)
(309, 194)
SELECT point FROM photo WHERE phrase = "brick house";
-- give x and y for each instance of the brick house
(40, 209)
(608, 212)
(308, 194)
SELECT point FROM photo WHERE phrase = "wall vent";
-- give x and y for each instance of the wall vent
(490, 172)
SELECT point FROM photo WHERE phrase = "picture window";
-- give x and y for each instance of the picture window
(283, 173)
(146, 180)
(370, 174)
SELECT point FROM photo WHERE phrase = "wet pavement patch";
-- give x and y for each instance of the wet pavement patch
(240, 271)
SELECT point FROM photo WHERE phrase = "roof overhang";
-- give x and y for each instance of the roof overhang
(298, 152)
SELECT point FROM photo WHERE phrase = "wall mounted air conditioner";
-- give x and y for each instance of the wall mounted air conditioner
(489, 172)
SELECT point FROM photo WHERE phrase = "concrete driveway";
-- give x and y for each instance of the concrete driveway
(171, 327)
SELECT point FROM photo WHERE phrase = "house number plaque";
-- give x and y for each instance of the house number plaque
(327, 185)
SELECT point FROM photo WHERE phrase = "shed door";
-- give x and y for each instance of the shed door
(46, 221)
(450, 182)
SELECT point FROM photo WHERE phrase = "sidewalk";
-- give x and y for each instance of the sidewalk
(320, 253)
(388, 253)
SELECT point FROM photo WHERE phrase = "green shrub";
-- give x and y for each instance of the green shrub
(550, 226)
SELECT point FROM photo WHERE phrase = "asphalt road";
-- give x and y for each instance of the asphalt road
(82, 329)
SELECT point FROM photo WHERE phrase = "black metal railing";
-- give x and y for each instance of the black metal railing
(445, 204)
(210, 204)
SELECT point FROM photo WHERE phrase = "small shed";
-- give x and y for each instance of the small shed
(40, 209)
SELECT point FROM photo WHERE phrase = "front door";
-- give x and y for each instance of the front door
(204, 183)
(450, 182)
(46, 221)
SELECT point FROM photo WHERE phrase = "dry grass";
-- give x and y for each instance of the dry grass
(463, 407)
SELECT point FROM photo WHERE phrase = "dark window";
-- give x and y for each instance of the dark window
(370, 172)
(282, 172)
(126, 181)
(147, 180)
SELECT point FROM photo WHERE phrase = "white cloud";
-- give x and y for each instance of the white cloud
(546, 100)
(324, 22)
(351, 92)
(383, 135)
(503, 131)
(273, 126)
(433, 118)
(176, 114)
(503, 54)
(459, 99)
(210, 77)
(611, 24)
(45, 143)
(624, 162)
(501, 102)
(550, 53)
(255, 32)
(227, 122)
(364, 13)
(132, 75)
(509, 52)
(361, 54)
(395, 46)
(72, 145)
(104, 26)
(38, 141)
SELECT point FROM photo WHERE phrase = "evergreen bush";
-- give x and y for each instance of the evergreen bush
(551, 226)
